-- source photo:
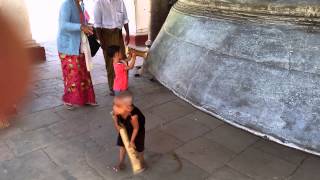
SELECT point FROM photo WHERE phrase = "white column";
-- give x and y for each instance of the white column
(142, 9)
(131, 10)
(16, 12)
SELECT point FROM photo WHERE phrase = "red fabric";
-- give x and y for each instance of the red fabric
(4, 117)
(78, 88)
(121, 77)
(86, 15)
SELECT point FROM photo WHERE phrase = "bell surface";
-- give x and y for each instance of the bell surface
(254, 64)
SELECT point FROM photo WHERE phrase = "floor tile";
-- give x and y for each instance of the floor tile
(233, 138)
(153, 99)
(70, 128)
(38, 120)
(172, 167)
(289, 154)
(261, 166)
(72, 154)
(160, 142)
(227, 173)
(170, 111)
(5, 153)
(35, 166)
(309, 170)
(205, 154)
(153, 120)
(30, 141)
(206, 119)
(185, 129)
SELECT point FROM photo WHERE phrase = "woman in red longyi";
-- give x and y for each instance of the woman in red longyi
(77, 80)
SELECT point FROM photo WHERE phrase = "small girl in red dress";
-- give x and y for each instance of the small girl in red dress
(121, 68)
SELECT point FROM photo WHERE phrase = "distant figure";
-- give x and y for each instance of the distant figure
(77, 80)
(126, 114)
(121, 68)
(4, 122)
(110, 16)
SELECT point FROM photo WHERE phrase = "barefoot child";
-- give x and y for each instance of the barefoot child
(133, 120)
(121, 68)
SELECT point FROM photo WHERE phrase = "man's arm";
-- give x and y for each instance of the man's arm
(126, 27)
(132, 62)
(98, 33)
(126, 24)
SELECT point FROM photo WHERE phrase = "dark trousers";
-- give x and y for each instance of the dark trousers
(109, 37)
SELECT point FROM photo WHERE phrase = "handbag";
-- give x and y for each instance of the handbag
(93, 43)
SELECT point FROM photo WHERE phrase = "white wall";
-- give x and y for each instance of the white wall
(16, 11)
(143, 15)
(44, 16)
(131, 10)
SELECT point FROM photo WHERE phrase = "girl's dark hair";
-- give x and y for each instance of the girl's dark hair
(112, 50)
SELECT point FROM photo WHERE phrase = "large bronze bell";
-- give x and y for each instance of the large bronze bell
(254, 64)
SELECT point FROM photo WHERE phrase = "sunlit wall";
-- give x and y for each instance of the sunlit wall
(44, 16)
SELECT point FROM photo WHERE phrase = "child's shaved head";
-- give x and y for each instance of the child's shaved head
(123, 103)
(125, 98)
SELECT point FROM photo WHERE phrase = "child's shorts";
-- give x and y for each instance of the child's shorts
(117, 93)
(139, 142)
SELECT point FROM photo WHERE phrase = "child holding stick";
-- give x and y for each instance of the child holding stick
(132, 119)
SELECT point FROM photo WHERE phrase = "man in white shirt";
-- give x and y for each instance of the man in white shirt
(110, 16)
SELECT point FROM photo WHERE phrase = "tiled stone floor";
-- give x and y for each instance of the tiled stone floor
(48, 142)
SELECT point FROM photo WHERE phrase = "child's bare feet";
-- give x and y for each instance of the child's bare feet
(119, 167)
(69, 106)
(93, 104)
(4, 123)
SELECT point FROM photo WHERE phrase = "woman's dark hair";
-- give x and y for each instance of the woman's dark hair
(112, 50)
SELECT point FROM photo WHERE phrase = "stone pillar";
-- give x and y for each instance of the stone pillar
(142, 9)
(159, 12)
(16, 12)
(139, 18)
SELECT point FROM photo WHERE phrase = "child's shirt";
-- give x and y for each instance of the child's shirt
(139, 140)
(127, 122)
(121, 77)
